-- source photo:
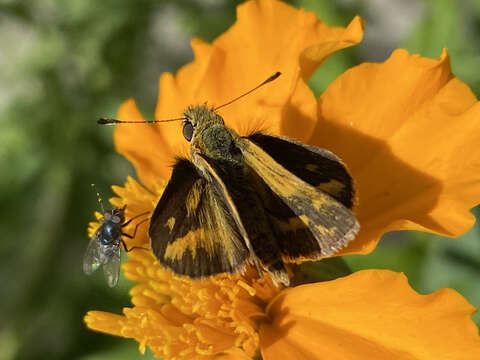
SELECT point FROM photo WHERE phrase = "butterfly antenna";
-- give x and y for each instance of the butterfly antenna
(99, 198)
(110, 121)
(271, 78)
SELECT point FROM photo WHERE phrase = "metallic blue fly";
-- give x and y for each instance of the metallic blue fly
(104, 247)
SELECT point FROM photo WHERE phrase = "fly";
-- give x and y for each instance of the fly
(105, 245)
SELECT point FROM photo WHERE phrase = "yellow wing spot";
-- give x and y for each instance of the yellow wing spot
(311, 167)
(327, 231)
(320, 201)
(193, 198)
(171, 223)
(333, 187)
(304, 219)
(190, 242)
(322, 229)
(292, 224)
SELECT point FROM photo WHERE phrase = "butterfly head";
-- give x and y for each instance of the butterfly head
(197, 118)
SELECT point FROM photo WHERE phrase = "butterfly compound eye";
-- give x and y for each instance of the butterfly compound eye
(188, 130)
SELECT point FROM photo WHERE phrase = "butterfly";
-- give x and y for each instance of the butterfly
(260, 199)
(104, 247)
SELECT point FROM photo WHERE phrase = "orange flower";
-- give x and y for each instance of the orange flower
(406, 129)
(367, 315)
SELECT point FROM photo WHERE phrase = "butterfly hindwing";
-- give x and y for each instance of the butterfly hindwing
(330, 223)
(317, 167)
(191, 229)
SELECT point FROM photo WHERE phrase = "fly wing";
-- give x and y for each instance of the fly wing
(331, 223)
(111, 266)
(92, 258)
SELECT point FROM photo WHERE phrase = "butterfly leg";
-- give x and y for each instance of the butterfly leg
(135, 217)
(132, 248)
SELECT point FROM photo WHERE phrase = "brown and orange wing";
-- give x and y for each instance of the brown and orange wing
(192, 231)
(318, 167)
(310, 223)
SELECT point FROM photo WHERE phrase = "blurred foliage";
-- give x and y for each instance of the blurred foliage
(66, 63)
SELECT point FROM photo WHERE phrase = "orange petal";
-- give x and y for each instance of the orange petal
(138, 201)
(285, 106)
(177, 93)
(105, 322)
(408, 131)
(143, 145)
(268, 36)
(371, 314)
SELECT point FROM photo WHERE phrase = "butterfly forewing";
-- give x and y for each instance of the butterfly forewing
(331, 223)
(315, 166)
(191, 229)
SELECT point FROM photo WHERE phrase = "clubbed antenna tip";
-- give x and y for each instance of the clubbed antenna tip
(107, 121)
(269, 79)
(273, 77)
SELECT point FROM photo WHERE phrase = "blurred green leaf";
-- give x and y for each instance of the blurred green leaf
(323, 270)
(454, 25)
(129, 351)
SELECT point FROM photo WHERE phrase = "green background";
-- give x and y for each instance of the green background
(66, 63)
